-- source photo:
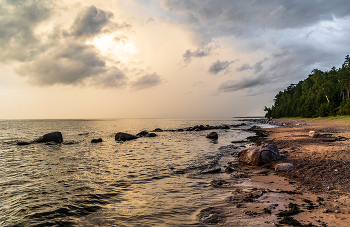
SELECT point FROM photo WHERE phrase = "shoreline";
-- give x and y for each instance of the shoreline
(318, 185)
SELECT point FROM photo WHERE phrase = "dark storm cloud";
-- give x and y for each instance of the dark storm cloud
(146, 81)
(219, 66)
(275, 14)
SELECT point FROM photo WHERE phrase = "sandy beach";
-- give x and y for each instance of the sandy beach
(314, 193)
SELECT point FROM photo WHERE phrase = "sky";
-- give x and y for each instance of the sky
(162, 58)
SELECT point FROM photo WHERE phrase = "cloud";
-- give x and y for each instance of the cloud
(59, 56)
(219, 66)
(199, 53)
(233, 85)
(18, 20)
(90, 22)
(146, 81)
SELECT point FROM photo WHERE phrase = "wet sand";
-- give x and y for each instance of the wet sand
(314, 193)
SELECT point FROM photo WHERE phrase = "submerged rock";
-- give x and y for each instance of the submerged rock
(212, 135)
(143, 133)
(121, 136)
(211, 171)
(96, 140)
(23, 143)
(151, 134)
(50, 137)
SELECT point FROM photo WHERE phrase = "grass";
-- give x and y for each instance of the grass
(342, 118)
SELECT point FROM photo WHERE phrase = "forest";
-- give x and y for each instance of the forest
(321, 94)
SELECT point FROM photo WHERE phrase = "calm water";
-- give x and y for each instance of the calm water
(144, 182)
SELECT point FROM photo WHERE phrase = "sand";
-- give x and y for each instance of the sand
(317, 188)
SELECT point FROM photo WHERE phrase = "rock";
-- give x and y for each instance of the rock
(50, 137)
(121, 136)
(213, 219)
(263, 171)
(314, 134)
(83, 134)
(197, 129)
(283, 167)
(143, 133)
(216, 183)
(325, 211)
(225, 127)
(23, 143)
(96, 140)
(151, 135)
(211, 171)
(337, 211)
(254, 127)
(50, 143)
(158, 130)
(212, 135)
(283, 156)
(259, 155)
(229, 170)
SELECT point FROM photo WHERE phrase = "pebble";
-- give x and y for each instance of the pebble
(309, 224)
(337, 211)
(325, 211)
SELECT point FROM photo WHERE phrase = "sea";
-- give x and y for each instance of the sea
(150, 181)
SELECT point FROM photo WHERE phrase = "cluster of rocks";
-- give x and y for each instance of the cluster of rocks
(260, 155)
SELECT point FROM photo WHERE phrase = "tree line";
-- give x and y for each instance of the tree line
(321, 94)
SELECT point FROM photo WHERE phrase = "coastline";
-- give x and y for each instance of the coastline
(318, 185)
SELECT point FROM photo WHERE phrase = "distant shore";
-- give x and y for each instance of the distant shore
(318, 185)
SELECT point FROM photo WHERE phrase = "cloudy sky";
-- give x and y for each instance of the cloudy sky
(162, 58)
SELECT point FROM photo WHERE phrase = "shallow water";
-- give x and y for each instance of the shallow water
(144, 182)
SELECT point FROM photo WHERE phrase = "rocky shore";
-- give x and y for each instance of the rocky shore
(315, 192)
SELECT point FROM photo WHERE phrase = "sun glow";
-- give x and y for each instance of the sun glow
(117, 46)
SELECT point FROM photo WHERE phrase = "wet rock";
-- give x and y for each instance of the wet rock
(259, 155)
(216, 183)
(283, 156)
(70, 142)
(229, 170)
(266, 171)
(121, 136)
(211, 171)
(314, 134)
(151, 134)
(143, 133)
(99, 140)
(83, 134)
(283, 167)
(254, 127)
(50, 137)
(22, 143)
(212, 135)
(213, 219)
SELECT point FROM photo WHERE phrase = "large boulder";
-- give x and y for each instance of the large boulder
(259, 155)
(121, 136)
(212, 135)
(50, 137)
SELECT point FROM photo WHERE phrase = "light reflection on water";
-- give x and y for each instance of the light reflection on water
(148, 181)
